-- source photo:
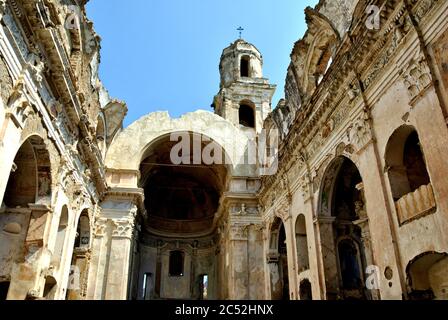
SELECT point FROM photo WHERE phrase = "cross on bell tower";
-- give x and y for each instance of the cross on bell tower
(240, 30)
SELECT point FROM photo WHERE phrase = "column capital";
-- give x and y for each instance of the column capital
(324, 220)
(124, 228)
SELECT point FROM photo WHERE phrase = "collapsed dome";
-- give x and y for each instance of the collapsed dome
(180, 199)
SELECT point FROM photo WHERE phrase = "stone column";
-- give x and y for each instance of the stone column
(120, 257)
(284, 213)
(363, 224)
(245, 254)
(112, 252)
(326, 244)
(256, 262)
(238, 266)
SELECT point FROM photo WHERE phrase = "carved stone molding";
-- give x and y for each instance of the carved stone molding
(36, 66)
(324, 220)
(272, 257)
(123, 229)
(100, 227)
(283, 212)
(306, 187)
(6, 81)
(238, 232)
(244, 210)
(417, 77)
(360, 132)
(18, 106)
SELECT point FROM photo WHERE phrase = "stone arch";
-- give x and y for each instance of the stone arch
(305, 290)
(326, 186)
(278, 261)
(405, 162)
(342, 217)
(123, 155)
(312, 54)
(302, 244)
(34, 127)
(408, 175)
(246, 114)
(245, 66)
(182, 201)
(191, 190)
(80, 258)
(31, 175)
(427, 276)
(349, 262)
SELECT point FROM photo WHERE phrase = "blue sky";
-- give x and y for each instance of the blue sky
(164, 54)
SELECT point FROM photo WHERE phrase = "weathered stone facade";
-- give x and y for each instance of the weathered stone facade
(355, 208)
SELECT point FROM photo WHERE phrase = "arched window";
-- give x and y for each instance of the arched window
(83, 231)
(343, 241)
(176, 267)
(405, 162)
(4, 287)
(408, 177)
(302, 244)
(427, 276)
(247, 116)
(203, 287)
(244, 66)
(278, 261)
(414, 162)
(30, 179)
(60, 238)
(305, 291)
(79, 264)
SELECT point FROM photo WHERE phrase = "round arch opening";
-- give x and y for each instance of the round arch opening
(183, 181)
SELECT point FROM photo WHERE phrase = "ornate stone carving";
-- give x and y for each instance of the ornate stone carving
(18, 105)
(272, 257)
(33, 125)
(238, 232)
(360, 133)
(283, 212)
(416, 76)
(423, 8)
(100, 227)
(353, 91)
(54, 108)
(37, 66)
(6, 82)
(124, 228)
(306, 187)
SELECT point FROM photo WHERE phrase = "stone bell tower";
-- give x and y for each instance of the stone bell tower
(245, 96)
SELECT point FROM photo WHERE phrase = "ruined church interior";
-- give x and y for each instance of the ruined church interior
(338, 192)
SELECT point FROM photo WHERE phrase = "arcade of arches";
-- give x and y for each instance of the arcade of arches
(338, 192)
